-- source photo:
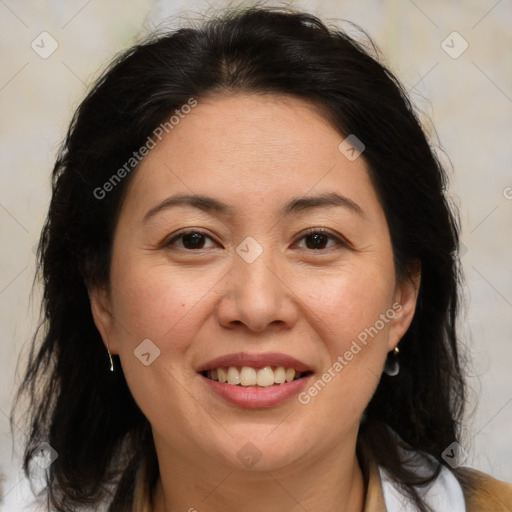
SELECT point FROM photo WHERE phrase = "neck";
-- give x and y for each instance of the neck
(332, 483)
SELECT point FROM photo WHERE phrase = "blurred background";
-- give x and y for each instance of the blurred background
(453, 57)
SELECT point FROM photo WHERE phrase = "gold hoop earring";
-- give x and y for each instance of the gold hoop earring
(110, 357)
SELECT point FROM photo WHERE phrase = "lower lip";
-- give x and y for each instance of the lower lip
(254, 397)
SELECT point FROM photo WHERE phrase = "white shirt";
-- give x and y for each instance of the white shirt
(444, 494)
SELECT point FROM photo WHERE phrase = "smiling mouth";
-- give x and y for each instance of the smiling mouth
(247, 376)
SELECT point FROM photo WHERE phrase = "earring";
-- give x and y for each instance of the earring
(110, 357)
(392, 366)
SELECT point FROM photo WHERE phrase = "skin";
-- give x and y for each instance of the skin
(254, 152)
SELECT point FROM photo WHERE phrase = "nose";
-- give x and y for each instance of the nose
(257, 295)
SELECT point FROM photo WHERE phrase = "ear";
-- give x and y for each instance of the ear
(102, 314)
(406, 296)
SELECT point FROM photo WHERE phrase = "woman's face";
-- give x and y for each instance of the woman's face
(256, 284)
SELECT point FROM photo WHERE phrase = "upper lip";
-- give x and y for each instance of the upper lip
(255, 361)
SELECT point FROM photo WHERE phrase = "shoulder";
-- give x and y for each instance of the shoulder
(482, 492)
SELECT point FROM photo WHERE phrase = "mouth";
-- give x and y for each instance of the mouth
(256, 377)
(263, 370)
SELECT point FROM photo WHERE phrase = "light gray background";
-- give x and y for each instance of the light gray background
(467, 99)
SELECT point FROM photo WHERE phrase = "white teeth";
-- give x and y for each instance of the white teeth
(222, 375)
(248, 376)
(265, 377)
(279, 375)
(233, 376)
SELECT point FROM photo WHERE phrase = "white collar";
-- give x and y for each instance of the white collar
(444, 494)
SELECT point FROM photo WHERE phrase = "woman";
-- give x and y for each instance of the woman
(248, 220)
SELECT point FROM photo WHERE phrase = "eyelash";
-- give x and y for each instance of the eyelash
(309, 232)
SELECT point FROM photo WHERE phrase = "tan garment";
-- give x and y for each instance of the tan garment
(482, 492)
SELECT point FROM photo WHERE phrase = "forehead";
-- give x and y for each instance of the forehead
(257, 125)
(259, 148)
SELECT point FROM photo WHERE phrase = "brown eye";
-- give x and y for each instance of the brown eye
(190, 240)
(318, 239)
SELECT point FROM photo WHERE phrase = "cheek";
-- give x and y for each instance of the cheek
(156, 301)
(355, 308)
(348, 301)
(355, 352)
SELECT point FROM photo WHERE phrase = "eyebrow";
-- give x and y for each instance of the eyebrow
(295, 205)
